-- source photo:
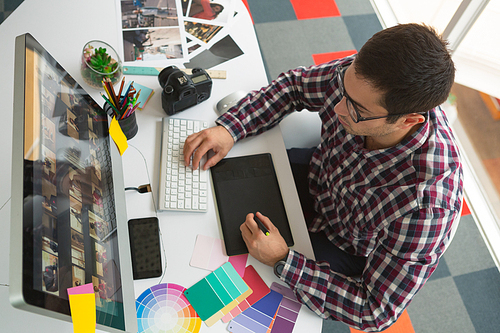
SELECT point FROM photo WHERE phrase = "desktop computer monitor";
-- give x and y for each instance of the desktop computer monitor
(68, 222)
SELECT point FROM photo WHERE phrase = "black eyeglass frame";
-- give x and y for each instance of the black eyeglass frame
(351, 105)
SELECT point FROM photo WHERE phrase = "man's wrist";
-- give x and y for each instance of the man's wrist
(280, 265)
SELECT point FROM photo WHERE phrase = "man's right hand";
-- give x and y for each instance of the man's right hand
(198, 144)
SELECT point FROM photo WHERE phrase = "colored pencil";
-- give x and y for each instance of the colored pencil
(111, 104)
(121, 88)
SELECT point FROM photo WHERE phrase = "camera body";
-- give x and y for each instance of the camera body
(181, 91)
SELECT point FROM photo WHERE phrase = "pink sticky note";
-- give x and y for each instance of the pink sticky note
(83, 289)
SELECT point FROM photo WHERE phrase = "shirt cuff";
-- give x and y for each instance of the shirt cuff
(294, 267)
(232, 124)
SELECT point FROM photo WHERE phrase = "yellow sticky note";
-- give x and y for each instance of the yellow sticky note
(83, 312)
(117, 135)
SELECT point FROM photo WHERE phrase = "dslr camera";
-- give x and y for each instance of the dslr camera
(181, 91)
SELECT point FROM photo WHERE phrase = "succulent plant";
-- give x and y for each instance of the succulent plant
(102, 62)
(96, 65)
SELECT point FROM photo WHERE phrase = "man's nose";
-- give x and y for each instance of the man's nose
(341, 108)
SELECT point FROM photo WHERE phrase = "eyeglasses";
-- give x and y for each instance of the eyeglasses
(351, 105)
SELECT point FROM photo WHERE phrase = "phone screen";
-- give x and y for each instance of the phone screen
(145, 247)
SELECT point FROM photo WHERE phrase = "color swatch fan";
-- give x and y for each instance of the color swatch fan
(164, 309)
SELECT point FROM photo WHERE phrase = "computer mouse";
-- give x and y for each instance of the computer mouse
(229, 101)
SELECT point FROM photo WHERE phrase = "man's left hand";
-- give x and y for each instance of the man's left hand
(266, 249)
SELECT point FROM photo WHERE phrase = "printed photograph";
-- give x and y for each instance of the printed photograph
(49, 191)
(49, 164)
(73, 127)
(77, 257)
(98, 228)
(77, 240)
(149, 13)
(78, 276)
(101, 258)
(98, 204)
(96, 167)
(48, 102)
(75, 216)
(49, 133)
(202, 31)
(218, 11)
(95, 284)
(152, 44)
(49, 226)
(94, 139)
(49, 246)
(50, 273)
(75, 188)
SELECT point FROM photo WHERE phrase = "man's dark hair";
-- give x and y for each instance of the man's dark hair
(411, 65)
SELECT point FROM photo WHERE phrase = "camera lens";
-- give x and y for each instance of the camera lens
(164, 74)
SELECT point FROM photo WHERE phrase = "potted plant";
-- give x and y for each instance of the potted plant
(99, 61)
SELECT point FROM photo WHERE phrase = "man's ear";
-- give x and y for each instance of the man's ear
(412, 119)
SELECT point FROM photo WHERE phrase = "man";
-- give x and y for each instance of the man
(384, 184)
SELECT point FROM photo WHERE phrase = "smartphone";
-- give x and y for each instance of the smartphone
(144, 236)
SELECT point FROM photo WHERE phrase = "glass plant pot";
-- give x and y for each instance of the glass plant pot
(100, 61)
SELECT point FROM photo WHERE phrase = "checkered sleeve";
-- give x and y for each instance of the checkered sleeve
(295, 90)
(407, 254)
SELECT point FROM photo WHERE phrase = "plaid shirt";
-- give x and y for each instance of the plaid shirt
(394, 206)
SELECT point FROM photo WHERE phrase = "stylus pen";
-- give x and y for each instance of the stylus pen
(261, 226)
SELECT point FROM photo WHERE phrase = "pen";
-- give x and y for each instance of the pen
(261, 226)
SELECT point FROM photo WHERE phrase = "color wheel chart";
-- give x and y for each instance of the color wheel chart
(164, 309)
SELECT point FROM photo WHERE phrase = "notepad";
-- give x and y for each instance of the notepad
(144, 97)
(217, 294)
(247, 184)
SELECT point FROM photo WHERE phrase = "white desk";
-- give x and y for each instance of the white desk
(63, 28)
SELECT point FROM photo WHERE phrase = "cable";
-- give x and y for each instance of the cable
(141, 189)
(154, 205)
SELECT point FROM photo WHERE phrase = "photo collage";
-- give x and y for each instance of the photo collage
(176, 30)
(72, 172)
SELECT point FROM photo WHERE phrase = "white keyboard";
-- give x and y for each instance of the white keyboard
(181, 188)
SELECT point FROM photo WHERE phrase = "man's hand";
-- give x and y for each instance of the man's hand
(266, 249)
(198, 144)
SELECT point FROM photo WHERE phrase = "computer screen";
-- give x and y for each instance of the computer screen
(68, 223)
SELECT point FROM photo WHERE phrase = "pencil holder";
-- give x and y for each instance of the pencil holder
(128, 125)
